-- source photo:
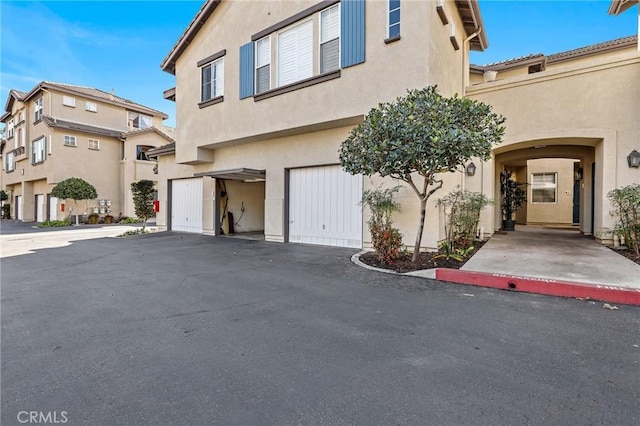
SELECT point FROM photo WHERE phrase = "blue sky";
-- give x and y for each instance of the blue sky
(119, 45)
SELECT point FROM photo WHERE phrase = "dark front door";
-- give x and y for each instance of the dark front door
(576, 202)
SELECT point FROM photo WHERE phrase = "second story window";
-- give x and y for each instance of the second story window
(394, 19)
(10, 162)
(91, 106)
(38, 150)
(37, 114)
(213, 80)
(94, 144)
(69, 101)
(263, 65)
(69, 140)
(139, 121)
(330, 39)
(10, 129)
(295, 53)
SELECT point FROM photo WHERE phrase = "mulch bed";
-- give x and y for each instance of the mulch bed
(425, 261)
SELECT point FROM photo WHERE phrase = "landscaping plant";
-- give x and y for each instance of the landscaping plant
(626, 201)
(418, 137)
(461, 217)
(143, 194)
(386, 240)
(74, 189)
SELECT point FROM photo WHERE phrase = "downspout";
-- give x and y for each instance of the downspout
(465, 67)
(465, 74)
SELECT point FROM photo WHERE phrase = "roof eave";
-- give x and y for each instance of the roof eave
(169, 63)
(618, 6)
(469, 11)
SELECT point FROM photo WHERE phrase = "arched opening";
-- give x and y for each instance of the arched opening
(564, 182)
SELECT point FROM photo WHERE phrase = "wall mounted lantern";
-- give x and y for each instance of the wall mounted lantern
(471, 169)
(634, 159)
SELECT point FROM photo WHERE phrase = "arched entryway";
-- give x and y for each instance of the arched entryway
(568, 180)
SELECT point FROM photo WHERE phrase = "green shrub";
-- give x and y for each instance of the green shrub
(134, 232)
(54, 224)
(130, 220)
(462, 216)
(386, 240)
(626, 201)
(6, 211)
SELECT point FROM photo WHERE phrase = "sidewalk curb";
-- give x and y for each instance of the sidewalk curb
(546, 286)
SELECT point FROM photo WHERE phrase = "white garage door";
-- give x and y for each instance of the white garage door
(323, 207)
(186, 205)
(39, 208)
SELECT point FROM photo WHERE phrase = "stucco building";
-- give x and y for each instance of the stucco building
(265, 96)
(56, 131)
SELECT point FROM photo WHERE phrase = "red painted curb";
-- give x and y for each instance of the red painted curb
(604, 293)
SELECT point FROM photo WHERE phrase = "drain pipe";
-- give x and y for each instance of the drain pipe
(465, 66)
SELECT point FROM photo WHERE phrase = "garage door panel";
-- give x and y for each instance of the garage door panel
(324, 207)
(186, 205)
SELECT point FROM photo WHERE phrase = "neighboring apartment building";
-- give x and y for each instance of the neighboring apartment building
(266, 94)
(57, 131)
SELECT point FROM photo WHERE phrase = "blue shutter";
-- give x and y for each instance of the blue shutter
(352, 32)
(246, 70)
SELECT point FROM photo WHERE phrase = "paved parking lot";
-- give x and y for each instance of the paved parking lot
(176, 329)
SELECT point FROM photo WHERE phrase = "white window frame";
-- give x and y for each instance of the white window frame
(10, 161)
(131, 120)
(399, 23)
(544, 186)
(323, 13)
(68, 101)
(70, 140)
(95, 143)
(38, 108)
(216, 84)
(10, 128)
(260, 65)
(91, 106)
(302, 69)
(39, 150)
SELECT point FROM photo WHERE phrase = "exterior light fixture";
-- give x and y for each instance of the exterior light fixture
(471, 168)
(634, 159)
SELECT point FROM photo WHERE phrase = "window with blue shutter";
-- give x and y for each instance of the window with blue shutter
(246, 70)
(352, 29)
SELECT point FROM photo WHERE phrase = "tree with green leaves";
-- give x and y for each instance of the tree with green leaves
(421, 135)
(75, 189)
(143, 194)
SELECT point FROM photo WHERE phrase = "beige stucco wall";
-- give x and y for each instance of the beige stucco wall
(358, 89)
(594, 105)
(560, 212)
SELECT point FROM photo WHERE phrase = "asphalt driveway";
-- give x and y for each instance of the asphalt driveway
(173, 329)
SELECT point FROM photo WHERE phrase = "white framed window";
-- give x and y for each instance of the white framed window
(91, 106)
(10, 162)
(37, 113)
(69, 101)
(69, 140)
(139, 121)
(212, 80)
(94, 144)
(10, 128)
(263, 65)
(393, 23)
(22, 137)
(38, 150)
(544, 187)
(295, 53)
(330, 39)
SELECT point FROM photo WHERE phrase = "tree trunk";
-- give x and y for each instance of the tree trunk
(423, 213)
(75, 203)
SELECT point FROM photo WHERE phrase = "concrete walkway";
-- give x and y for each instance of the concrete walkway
(17, 244)
(561, 255)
